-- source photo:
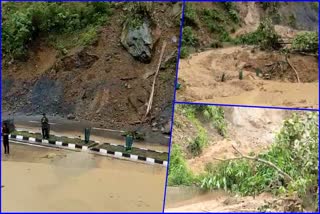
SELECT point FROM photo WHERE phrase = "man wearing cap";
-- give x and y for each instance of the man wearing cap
(45, 126)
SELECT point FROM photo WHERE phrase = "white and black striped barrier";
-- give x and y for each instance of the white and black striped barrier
(93, 147)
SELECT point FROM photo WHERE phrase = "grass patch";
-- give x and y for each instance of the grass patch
(179, 173)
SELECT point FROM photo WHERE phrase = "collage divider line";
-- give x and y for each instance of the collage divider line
(173, 103)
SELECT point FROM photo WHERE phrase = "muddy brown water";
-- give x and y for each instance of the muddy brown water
(192, 199)
(44, 179)
(206, 86)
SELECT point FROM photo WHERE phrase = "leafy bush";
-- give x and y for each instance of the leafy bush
(188, 38)
(265, 36)
(216, 22)
(89, 37)
(216, 115)
(23, 23)
(272, 6)
(230, 7)
(190, 16)
(307, 42)
(179, 174)
(184, 52)
(196, 146)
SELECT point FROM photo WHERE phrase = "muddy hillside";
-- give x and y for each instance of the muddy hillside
(250, 53)
(91, 61)
(242, 159)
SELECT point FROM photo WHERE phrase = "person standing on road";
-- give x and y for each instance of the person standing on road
(5, 134)
(45, 126)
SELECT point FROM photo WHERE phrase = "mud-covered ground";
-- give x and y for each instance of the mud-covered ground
(277, 84)
(46, 179)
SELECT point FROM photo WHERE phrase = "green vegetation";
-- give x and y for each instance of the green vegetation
(272, 6)
(216, 22)
(190, 16)
(292, 21)
(307, 42)
(220, 20)
(25, 22)
(138, 12)
(196, 146)
(230, 7)
(214, 114)
(179, 174)
(184, 52)
(265, 36)
(315, 6)
(189, 40)
(295, 151)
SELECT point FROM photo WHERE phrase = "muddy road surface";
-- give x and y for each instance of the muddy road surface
(47, 179)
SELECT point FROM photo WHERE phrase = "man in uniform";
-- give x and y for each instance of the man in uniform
(129, 140)
(5, 134)
(45, 126)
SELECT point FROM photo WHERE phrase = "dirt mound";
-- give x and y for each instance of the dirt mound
(101, 83)
(268, 79)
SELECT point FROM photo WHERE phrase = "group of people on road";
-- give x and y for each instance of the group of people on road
(6, 131)
(45, 126)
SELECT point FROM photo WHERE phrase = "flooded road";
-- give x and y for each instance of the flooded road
(48, 179)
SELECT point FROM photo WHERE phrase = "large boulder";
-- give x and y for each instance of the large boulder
(137, 40)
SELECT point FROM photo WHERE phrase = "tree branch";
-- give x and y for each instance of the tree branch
(154, 81)
(286, 176)
(289, 63)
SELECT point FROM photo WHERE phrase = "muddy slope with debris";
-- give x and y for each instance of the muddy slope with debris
(267, 77)
(106, 82)
(251, 130)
